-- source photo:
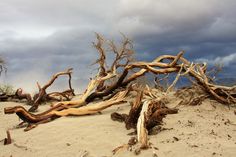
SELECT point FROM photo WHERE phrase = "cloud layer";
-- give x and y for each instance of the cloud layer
(225, 60)
(39, 38)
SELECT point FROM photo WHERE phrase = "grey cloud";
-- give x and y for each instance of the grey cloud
(36, 60)
(39, 38)
(225, 61)
(174, 25)
(54, 13)
(171, 17)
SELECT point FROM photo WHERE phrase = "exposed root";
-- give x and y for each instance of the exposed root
(144, 116)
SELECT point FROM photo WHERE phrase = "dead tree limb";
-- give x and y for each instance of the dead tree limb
(21, 95)
(144, 115)
(109, 80)
(60, 110)
(42, 95)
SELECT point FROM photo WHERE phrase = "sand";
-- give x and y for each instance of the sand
(197, 131)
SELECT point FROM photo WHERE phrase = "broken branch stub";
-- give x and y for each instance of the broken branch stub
(142, 132)
(132, 118)
(8, 139)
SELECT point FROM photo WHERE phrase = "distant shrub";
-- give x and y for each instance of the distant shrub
(7, 89)
(2, 65)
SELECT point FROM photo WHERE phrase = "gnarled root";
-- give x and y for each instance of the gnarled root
(143, 116)
(28, 117)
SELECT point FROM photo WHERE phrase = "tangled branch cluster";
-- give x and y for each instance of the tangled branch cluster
(113, 83)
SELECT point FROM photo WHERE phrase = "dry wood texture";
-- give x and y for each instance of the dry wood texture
(43, 96)
(113, 79)
(146, 112)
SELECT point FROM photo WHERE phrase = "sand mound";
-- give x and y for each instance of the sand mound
(205, 130)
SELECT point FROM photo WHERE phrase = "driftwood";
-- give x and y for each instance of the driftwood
(43, 96)
(142, 131)
(34, 120)
(144, 115)
(134, 112)
(113, 79)
(161, 83)
(19, 94)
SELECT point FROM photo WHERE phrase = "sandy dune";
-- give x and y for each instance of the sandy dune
(200, 131)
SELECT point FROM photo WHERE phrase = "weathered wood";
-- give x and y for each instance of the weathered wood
(142, 132)
(21, 95)
(109, 80)
(43, 96)
(62, 110)
(132, 118)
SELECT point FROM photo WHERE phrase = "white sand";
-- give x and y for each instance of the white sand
(200, 130)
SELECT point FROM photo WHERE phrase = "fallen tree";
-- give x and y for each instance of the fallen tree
(42, 95)
(113, 82)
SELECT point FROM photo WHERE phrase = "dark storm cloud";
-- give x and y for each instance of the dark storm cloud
(32, 60)
(39, 38)
(205, 29)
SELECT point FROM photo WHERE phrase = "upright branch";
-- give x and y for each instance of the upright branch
(99, 45)
(43, 96)
(123, 55)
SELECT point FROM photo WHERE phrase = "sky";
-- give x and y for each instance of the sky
(41, 37)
